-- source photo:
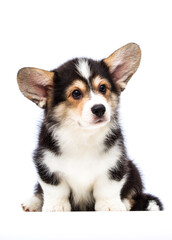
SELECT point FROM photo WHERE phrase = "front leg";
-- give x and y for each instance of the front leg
(107, 194)
(56, 197)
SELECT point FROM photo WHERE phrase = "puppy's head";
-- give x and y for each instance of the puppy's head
(82, 92)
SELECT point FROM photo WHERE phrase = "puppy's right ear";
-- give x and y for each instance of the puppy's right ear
(35, 84)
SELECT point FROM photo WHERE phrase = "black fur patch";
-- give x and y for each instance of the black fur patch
(133, 182)
(119, 171)
(42, 169)
(88, 206)
(114, 136)
(46, 141)
(38, 189)
(63, 78)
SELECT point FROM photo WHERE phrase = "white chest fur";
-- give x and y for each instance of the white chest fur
(82, 162)
(81, 170)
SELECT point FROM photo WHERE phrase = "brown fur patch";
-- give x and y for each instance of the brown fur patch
(77, 104)
(77, 85)
(97, 82)
(60, 111)
(73, 105)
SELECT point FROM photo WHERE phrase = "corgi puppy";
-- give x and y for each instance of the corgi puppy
(81, 159)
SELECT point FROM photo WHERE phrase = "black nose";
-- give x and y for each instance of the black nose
(98, 110)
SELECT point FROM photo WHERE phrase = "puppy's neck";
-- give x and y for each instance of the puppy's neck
(72, 138)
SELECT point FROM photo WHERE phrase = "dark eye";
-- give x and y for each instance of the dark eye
(102, 88)
(76, 94)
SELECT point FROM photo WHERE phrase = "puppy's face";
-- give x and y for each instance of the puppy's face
(82, 92)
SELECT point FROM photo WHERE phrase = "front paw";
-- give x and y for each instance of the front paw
(109, 205)
(58, 206)
(33, 204)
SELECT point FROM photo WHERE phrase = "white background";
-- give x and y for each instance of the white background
(45, 34)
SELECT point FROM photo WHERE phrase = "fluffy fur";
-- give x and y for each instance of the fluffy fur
(81, 158)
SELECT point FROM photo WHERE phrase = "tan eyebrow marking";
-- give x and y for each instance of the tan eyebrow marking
(97, 81)
(77, 84)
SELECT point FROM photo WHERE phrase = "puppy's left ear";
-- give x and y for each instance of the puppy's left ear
(123, 63)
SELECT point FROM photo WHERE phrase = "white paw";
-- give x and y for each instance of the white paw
(33, 204)
(110, 205)
(58, 206)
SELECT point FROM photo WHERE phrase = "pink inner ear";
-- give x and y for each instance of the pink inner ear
(40, 90)
(38, 85)
(35, 84)
(120, 71)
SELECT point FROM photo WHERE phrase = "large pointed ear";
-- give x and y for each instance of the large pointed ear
(123, 63)
(35, 84)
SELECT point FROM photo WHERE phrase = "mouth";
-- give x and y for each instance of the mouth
(97, 120)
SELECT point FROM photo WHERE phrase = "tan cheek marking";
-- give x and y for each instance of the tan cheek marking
(50, 98)
(70, 111)
(71, 105)
(114, 100)
(107, 95)
(61, 111)
(77, 104)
